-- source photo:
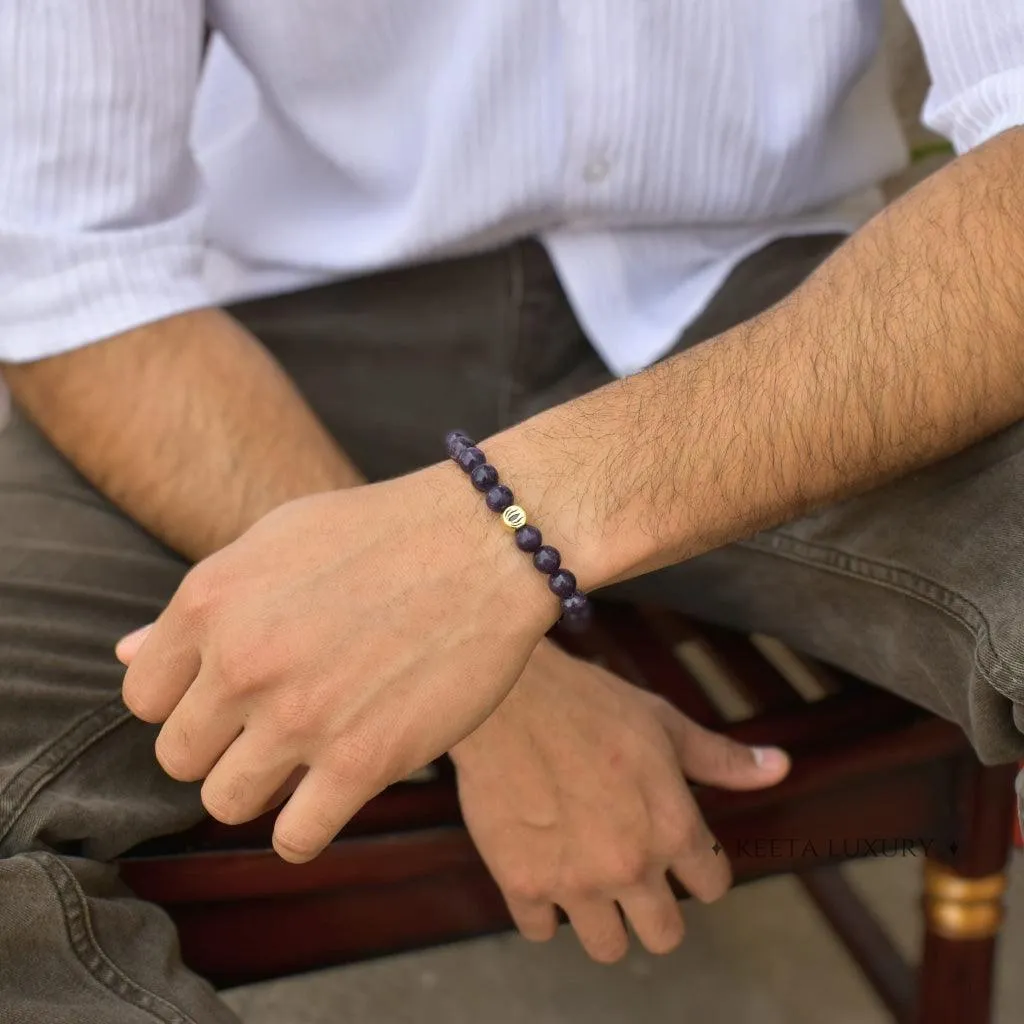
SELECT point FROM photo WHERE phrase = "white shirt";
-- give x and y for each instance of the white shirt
(649, 144)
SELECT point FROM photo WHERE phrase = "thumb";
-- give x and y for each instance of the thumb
(128, 646)
(716, 760)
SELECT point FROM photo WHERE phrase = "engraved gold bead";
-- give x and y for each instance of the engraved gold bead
(513, 517)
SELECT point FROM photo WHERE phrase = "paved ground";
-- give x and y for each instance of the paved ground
(761, 956)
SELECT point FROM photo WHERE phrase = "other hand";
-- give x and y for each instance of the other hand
(575, 794)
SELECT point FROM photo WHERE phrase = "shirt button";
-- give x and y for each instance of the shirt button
(596, 171)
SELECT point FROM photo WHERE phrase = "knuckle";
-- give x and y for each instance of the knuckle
(136, 703)
(235, 669)
(525, 886)
(658, 706)
(578, 882)
(175, 757)
(295, 716)
(364, 764)
(682, 834)
(199, 591)
(624, 867)
(228, 804)
(630, 744)
(244, 661)
(726, 754)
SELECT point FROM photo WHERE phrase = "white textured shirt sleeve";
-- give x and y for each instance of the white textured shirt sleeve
(975, 52)
(101, 221)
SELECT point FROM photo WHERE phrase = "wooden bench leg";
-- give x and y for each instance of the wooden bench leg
(962, 921)
(963, 898)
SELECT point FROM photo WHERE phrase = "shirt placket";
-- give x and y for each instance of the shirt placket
(600, 82)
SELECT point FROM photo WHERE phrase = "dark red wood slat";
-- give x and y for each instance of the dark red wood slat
(225, 875)
(925, 741)
(833, 723)
(658, 667)
(599, 646)
(830, 680)
(405, 807)
(750, 668)
(253, 940)
(765, 687)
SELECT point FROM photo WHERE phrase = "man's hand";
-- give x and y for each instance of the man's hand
(358, 634)
(574, 792)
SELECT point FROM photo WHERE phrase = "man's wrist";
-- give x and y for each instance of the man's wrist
(559, 482)
(485, 742)
(467, 529)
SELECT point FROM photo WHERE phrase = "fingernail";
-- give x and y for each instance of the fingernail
(770, 758)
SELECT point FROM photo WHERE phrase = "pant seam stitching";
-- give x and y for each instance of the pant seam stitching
(904, 581)
(82, 937)
(56, 757)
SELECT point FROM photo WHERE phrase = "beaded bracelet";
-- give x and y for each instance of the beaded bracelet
(576, 607)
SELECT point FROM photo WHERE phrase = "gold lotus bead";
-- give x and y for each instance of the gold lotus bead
(513, 517)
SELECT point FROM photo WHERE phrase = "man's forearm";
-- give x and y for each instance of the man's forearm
(907, 345)
(187, 424)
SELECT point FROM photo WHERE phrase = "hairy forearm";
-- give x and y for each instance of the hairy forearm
(187, 424)
(906, 346)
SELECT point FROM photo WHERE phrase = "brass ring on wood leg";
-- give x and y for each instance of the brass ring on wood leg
(962, 908)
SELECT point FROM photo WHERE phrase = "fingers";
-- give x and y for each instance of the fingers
(196, 733)
(716, 760)
(247, 780)
(599, 927)
(322, 803)
(687, 844)
(535, 919)
(651, 909)
(246, 771)
(163, 663)
(653, 912)
(706, 874)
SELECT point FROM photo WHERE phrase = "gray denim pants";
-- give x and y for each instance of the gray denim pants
(917, 587)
